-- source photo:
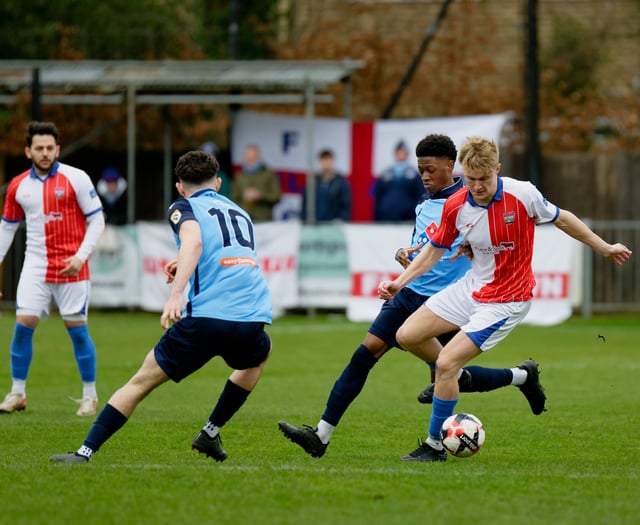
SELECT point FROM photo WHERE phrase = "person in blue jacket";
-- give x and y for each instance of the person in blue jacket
(397, 189)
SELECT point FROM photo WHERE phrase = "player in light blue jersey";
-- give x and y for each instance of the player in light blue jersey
(227, 306)
(436, 159)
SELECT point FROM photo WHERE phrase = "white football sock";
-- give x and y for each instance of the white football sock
(89, 389)
(324, 431)
(19, 386)
(519, 376)
(85, 451)
(211, 430)
(433, 443)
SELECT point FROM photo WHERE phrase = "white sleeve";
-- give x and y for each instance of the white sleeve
(95, 227)
(7, 233)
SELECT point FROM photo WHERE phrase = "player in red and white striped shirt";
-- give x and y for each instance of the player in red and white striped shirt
(64, 220)
(497, 217)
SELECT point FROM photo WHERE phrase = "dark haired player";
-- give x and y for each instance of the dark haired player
(64, 220)
(227, 306)
(436, 159)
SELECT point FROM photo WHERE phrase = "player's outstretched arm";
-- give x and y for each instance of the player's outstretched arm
(574, 227)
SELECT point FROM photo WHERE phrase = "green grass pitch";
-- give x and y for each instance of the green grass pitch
(577, 463)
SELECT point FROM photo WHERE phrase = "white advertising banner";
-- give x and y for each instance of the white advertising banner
(157, 248)
(283, 140)
(277, 244)
(555, 256)
(114, 268)
(371, 250)
(387, 133)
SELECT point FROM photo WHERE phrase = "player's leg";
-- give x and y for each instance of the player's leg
(118, 410)
(379, 339)
(246, 349)
(487, 325)
(33, 298)
(73, 302)
(526, 376)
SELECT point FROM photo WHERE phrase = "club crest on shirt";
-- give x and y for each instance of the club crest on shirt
(175, 216)
(59, 193)
(509, 217)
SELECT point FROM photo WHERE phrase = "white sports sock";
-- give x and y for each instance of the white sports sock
(85, 451)
(519, 376)
(434, 443)
(324, 431)
(211, 430)
(89, 389)
(19, 386)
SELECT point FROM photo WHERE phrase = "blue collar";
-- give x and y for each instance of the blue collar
(202, 192)
(496, 197)
(52, 173)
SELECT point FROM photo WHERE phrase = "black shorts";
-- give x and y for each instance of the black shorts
(193, 341)
(396, 311)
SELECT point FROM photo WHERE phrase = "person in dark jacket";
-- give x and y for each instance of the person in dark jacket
(398, 189)
(332, 192)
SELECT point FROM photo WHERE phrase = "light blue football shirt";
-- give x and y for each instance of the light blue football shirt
(445, 272)
(227, 283)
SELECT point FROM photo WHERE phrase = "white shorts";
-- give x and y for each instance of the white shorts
(34, 298)
(486, 324)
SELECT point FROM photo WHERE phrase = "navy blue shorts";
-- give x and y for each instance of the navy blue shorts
(396, 311)
(193, 341)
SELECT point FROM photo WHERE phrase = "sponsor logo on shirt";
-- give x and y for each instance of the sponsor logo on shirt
(504, 246)
(235, 261)
(52, 217)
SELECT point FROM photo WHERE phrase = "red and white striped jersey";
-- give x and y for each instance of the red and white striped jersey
(55, 211)
(500, 236)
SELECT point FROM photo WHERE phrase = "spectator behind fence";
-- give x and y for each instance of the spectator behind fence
(112, 188)
(256, 188)
(333, 193)
(398, 189)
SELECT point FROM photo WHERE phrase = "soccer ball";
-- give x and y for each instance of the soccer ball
(462, 435)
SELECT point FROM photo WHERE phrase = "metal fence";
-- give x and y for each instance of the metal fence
(608, 288)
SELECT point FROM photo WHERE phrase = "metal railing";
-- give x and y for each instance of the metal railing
(608, 288)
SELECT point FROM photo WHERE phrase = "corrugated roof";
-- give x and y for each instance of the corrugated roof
(176, 76)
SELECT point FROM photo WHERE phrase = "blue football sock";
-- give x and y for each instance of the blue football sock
(485, 379)
(85, 352)
(442, 409)
(21, 351)
(349, 384)
(108, 422)
(229, 402)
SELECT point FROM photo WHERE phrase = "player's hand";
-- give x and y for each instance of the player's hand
(170, 270)
(387, 289)
(172, 311)
(619, 253)
(73, 266)
(464, 250)
(403, 254)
